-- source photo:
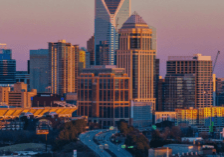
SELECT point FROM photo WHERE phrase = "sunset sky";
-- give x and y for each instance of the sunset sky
(184, 27)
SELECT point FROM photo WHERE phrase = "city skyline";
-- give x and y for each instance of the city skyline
(182, 26)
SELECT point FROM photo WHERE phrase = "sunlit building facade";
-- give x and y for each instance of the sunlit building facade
(109, 18)
(104, 95)
(63, 67)
(136, 54)
(202, 118)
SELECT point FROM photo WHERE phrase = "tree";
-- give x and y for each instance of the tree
(72, 129)
(176, 133)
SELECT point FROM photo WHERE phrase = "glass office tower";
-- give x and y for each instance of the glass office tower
(109, 18)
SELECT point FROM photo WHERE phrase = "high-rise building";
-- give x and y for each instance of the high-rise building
(91, 49)
(156, 81)
(199, 65)
(109, 18)
(179, 91)
(160, 96)
(7, 67)
(39, 69)
(63, 67)
(23, 76)
(104, 95)
(103, 53)
(82, 58)
(136, 54)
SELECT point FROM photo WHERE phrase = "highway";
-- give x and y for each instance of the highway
(87, 139)
(104, 138)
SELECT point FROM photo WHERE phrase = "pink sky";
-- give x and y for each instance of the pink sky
(184, 27)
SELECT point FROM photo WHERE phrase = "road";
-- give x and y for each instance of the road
(87, 139)
(104, 138)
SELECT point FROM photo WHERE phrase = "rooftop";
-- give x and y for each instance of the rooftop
(135, 21)
(196, 57)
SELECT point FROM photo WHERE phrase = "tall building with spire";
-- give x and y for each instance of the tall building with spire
(136, 54)
(109, 18)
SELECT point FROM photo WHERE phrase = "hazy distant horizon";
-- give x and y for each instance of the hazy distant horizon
(184, 27)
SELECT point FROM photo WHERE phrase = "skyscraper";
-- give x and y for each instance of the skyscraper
(109, 18)
(179, 91)
(199, 65)
(63, 67)
(39, 69)
(7, 66)
(137, 55)
(91, 49)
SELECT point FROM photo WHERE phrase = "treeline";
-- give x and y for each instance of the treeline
(69, 132)
(135, 141)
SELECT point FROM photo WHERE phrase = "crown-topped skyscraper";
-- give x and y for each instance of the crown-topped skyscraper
(136, 54)
(109, 18)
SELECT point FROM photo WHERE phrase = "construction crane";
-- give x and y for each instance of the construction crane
(207, 91)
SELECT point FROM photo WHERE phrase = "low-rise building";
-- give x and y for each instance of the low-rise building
(18, 97)
(208, 119)
(141, 114)
(165, 116)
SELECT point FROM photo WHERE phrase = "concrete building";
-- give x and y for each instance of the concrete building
(109, 18)
(199, 65)
(136, 54)
(63, 67)
(104, 95)
(7, 67)
(179, 91)
(4, 95)
(45, 100)
(23, 76)
(19, 97)
(39, 69)
(141, 114)
(165, 116)
(91, 49)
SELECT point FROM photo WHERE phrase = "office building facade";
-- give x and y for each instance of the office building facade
(7, 67)
(136, 54)
(179, 91)
(18, 97)
(219, 92)
(109, 18)
(91, 49)
(199, 65)
(141, 114)
(23, 76)
(104, 95)
(39, 69)
(63, 67)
